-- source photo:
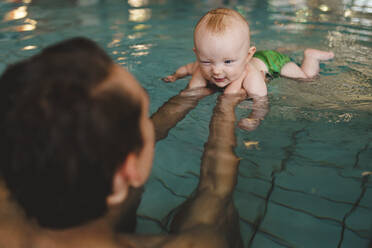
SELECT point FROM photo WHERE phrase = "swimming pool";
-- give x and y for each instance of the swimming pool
(300, 183)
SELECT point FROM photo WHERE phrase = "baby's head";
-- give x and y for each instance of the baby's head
(222, 46)
(221, 20)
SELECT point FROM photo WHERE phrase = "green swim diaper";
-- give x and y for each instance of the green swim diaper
(273, 60)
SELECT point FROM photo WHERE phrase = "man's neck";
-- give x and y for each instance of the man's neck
(97, 233)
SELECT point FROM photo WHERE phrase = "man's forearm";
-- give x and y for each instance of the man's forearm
(175, 109)
(211, 205)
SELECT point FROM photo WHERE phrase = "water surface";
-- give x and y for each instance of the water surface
(301, 184)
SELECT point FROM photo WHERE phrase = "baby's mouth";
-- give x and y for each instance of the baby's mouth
(219, 80)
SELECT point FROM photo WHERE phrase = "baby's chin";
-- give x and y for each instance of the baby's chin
(221, 84)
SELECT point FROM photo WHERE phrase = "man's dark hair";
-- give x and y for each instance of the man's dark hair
(63, 139)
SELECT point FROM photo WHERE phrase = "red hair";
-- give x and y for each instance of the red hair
(217, 20)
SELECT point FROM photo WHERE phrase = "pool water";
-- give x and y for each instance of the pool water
(301, 184)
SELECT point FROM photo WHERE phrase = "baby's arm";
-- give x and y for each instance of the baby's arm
(235, 87)
(260, 109)
(254, 83)
(181, 72)
(255, 86)
(197, 80)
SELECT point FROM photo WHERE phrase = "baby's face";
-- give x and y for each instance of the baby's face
(222, 57)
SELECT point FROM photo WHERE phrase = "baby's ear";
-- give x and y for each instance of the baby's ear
(251, 52)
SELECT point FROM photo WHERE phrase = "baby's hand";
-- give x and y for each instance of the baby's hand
(249, 124)
(169, 79)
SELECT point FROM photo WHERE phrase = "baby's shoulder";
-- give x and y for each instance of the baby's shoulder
(258, 65)
(254, 82)
(254, 71)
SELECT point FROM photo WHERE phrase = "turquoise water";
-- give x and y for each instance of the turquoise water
(302, 184)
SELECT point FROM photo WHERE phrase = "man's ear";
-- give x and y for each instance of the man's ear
(127, 175)
(194, 49)
(251, 52)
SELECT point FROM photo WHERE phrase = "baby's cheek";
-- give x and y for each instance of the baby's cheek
(205, 73)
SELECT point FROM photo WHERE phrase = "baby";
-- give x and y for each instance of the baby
(225, 58)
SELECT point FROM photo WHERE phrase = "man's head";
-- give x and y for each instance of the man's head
(77, 135)
(222, 45)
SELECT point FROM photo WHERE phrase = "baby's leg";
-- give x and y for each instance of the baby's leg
(310, 64)
(181, 72)
(291, 70)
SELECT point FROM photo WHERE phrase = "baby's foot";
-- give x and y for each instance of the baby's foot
(169, 79)
(318, 54)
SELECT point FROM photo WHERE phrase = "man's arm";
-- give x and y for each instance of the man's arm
(210, 212)
(175, 109)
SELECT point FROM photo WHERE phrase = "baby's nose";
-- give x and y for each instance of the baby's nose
(216, 69)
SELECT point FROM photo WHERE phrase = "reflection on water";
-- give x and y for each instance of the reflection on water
(324, 8)
(355, 12)
(28, 26)
(29, 47)
(138, 3)
(364, 6)
(137, 54)
(141, 27)
(18, 13)
(114, 43)
(139, 15)
(140, 47)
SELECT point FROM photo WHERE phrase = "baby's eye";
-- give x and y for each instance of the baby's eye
(205, 62)
(229, 61)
